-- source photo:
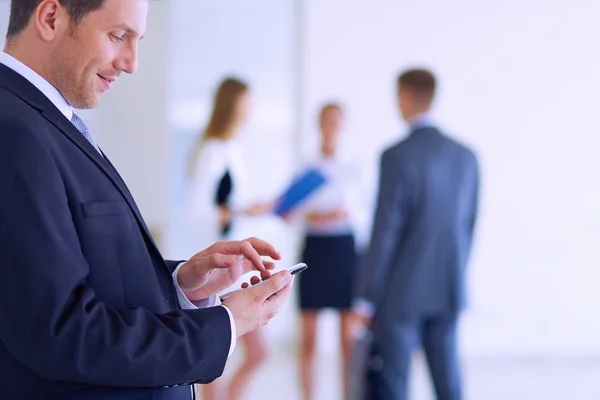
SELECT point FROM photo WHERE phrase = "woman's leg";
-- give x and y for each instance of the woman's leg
(347, 341)
(254, 356)
(216, 390)
(307, 352)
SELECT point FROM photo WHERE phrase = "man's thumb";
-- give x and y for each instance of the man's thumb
(274, 284)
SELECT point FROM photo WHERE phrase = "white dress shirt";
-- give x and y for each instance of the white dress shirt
(65, 108)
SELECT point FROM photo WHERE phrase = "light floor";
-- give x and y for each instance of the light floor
(485, 379)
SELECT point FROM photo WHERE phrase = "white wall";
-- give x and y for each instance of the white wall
(519, 83)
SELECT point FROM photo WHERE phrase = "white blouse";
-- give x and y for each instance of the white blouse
(341, 191)
(216, 156)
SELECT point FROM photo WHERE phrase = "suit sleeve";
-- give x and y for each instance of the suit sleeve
(475, 195)
(172, 264)
(51, 320)
(388, 226)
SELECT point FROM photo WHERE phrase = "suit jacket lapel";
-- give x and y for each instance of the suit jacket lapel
(56, 118)
(129, 197)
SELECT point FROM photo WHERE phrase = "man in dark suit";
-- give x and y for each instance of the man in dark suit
(412, 279)
(91, 310)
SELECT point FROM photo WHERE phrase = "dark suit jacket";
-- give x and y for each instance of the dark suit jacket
(423, 227)
(89, 309)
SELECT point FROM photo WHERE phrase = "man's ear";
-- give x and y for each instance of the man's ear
(50, 18)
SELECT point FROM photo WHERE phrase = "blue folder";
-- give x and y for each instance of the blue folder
(299, 191)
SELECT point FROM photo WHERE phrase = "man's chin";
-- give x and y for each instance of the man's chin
(86, 104)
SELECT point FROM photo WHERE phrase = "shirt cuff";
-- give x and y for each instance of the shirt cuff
(233, 330)
(186, 304)
(363, 307)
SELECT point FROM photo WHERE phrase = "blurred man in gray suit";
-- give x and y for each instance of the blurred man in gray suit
(411, 284)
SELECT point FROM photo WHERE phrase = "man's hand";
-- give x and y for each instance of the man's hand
(361, 316)
(360, 319)
(359, 324)
(257, 305)
(222, 264)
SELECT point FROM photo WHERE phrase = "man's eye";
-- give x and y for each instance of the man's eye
(117, 38)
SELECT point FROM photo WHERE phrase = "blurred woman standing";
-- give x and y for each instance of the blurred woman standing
(329, 247)
(218, 205)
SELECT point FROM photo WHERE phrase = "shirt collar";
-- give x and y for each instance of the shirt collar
(42, 84)
(421, 121)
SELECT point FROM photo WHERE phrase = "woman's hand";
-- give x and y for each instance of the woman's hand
(224, 216)
(336, 215)
(261, 208)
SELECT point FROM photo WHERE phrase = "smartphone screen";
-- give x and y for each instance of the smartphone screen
(297, 268)
(294, 269)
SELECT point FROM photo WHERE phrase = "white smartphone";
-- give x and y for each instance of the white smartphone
(294, 269)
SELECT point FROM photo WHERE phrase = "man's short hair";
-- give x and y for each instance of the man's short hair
(22, 10)
(421, 83)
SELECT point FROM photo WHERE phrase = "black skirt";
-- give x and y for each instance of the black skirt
(328, 281)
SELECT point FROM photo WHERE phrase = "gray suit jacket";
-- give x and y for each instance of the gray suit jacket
(423, 228)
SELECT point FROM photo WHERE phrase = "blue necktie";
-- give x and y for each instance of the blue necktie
(84, 130)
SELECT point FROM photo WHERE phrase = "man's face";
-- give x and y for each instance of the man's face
(89, 56)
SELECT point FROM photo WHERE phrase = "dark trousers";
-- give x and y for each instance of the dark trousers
(395, 341)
